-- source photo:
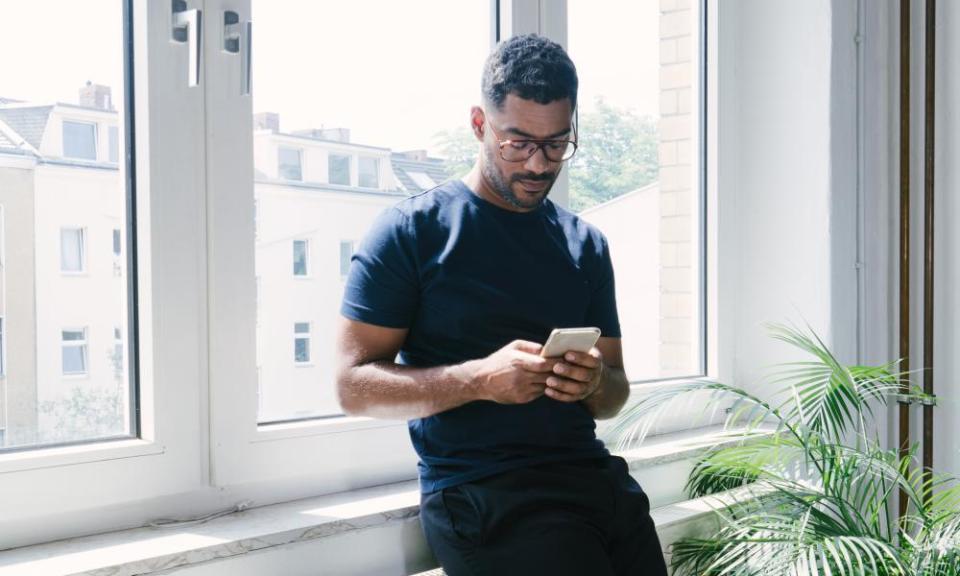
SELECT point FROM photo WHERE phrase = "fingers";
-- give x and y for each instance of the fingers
(589, 359)
(526, 346)
(572, 372)
(566, 390)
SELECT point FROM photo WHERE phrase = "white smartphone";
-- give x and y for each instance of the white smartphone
(562, 340)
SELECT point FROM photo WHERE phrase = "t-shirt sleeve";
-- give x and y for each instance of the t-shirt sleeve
(383, 284)
(602, 311)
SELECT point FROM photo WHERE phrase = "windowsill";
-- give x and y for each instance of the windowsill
(150, 550)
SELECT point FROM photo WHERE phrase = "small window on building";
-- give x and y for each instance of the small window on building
(339, 169)
(301, 255)
(290, 163)
(113, 144)
(74, 351)
(79, 140)
(369, 176)
(346, 253)
(72, 250)
(117, 359)
(301, 342)
(422, 180)
(116, 241)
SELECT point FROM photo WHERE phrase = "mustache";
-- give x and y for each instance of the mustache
(546, 177)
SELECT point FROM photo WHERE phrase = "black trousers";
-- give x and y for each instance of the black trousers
(587, 517)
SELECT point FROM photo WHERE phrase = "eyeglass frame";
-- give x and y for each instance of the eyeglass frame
(539, 143)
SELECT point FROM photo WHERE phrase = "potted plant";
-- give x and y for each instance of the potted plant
(816, 493)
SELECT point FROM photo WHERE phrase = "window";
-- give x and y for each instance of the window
(290, 166)
(369, 172)
(346, 253)
(339, 169)
(72, 250)
(117, 358)
(301, 342)
(638, 172)
(113, 144)
(74, 351)
(79, 140)
(301, 255)
(116, 242)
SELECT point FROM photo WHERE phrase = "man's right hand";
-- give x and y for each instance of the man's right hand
(514, 374)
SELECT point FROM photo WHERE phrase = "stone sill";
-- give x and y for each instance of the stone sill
(152, 550)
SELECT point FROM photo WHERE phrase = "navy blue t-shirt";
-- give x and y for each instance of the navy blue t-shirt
(467, 277)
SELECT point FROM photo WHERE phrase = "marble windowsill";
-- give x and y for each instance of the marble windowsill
(149, 550)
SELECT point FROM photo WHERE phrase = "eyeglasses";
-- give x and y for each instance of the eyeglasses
(522, 150)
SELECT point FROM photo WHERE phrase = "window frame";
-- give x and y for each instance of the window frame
(306, 258)
(94, 140)
(349, 162)
(82, 243)
(308, 337)
(83, 343)
(280, 164)
(376, 171)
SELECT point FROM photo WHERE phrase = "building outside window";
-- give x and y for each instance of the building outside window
(339, 169)
(301, 255)
(301, 342)
(79, 140)
(116, 241)
(369, 176)
(74, 351)
(290, 163)
(113, 144)
(72, 256)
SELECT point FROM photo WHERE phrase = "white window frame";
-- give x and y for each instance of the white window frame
(96, 137)
(83, 250)
(349, 159)
(306, 257)
(83, 343)
(200, 448)
(299, 153)
(297, 335)
(376, 171)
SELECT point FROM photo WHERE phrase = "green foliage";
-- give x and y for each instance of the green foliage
(815, 491)
(458, 148)
(617, 153)
(84, 414)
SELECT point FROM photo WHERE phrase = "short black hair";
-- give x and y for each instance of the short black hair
(531, 67)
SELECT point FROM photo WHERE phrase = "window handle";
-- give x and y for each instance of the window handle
(187, 29)
(238, 39)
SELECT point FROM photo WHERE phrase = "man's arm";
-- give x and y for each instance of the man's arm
(596, 378)
(370, 383)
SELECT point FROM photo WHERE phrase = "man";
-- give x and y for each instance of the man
(465, 282)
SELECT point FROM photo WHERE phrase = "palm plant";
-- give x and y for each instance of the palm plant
(814, 491)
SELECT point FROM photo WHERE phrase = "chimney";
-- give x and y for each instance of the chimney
(415, 155)
(335, 134)
(266, 121)
(96, 96)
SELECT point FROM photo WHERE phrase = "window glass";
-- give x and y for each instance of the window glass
(290, 168)
(71, 250)
(636, 174)
(299, 257)
(79, 140)
(364, 139)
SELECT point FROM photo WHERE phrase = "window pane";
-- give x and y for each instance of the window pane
(116, 242)
(72, 197)
(346, 253)
(340, 113)
(636, 174)
(71, 250)
(339, 170)
(369, 172)
(79, 140)
(302, 352)
(289, 168)
(299, 257)
(301, 328)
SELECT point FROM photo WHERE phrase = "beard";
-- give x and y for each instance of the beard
(502, 188)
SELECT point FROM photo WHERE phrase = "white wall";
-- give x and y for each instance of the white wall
(785, 176)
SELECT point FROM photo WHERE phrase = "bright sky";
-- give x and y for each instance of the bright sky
(393, 72)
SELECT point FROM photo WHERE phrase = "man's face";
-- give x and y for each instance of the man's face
(523, 185)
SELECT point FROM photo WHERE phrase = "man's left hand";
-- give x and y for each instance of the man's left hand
(576, 376)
